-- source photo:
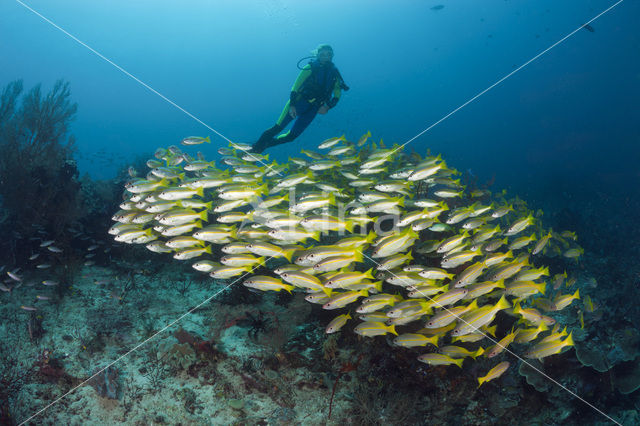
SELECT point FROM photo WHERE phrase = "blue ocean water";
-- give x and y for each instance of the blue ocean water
(569, 117)
(562, 132)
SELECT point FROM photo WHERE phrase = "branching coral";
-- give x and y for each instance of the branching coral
(38, 178)
(13, 376)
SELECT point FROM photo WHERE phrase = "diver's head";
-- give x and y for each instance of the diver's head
(323, 53)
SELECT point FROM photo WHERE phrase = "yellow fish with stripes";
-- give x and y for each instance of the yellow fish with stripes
(545, 349)
(494, 373)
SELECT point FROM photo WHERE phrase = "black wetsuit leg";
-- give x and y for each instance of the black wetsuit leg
(261, 144)
(306, 114)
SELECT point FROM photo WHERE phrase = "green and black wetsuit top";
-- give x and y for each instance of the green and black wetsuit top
(317, 83)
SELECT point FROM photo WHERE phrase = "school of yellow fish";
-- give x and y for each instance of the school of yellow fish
(392, 238)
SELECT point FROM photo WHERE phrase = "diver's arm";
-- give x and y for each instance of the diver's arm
(302, 77)
(337, 92)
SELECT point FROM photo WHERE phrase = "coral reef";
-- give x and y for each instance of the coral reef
(38, 176)
(592, 356)
(288, 381)
(14, 374)
(627, 377)
(248, 358)
(405, 239)
(533, 377)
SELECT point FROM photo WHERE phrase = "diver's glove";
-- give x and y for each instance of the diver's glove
(332, 102)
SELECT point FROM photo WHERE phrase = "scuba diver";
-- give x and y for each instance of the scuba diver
(316, 90)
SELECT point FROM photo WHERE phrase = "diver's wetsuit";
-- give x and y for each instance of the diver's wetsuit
(317, 84)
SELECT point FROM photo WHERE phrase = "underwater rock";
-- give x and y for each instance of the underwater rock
(625, 349)
(626, 377)
(626, 346)
(499, 406)
(106, 383)
(190, 399)
(108, 320)
(592, 357)
(629, 417)
(534, 378)
(236, 404)
(180, 355)
(283, 416)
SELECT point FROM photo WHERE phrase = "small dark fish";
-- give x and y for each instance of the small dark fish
(588, 28)
(438, 7)
(14, 276)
